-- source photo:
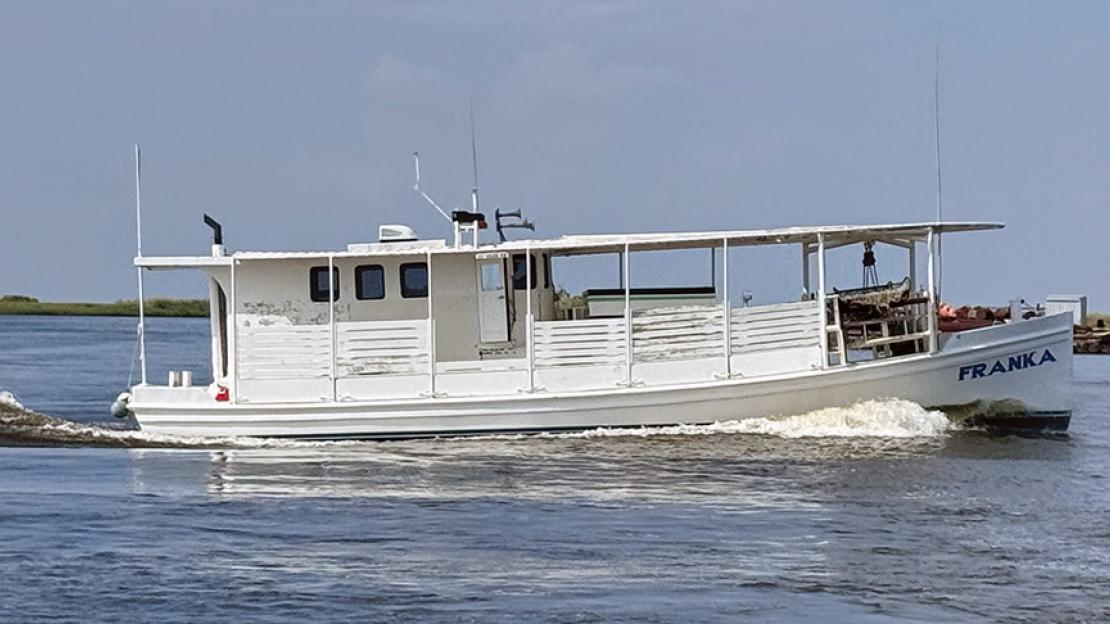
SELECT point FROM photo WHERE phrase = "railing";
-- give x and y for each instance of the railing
(280, 361)
(776, 327)
(283, 351)
(389, 359)
(589, 342)
(666, 334)
(382, 348)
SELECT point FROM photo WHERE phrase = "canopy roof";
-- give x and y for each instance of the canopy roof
(608, 243)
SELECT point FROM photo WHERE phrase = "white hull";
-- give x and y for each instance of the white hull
(946, 378)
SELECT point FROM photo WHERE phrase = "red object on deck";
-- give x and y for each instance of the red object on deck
(223, 395)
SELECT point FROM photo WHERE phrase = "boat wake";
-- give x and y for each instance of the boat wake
(887, 418)
(20, 426)
(890, 418)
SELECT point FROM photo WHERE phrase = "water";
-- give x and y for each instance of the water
(876, 513)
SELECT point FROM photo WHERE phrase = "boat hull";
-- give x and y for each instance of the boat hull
(1018, 374)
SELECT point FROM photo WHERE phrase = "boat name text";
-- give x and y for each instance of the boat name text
(1006, 365)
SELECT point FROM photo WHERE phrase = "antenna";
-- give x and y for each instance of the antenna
(416, 187)
(474, 159)
(141, 329)
(936, 136)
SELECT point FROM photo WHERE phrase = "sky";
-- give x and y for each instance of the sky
(293, 123)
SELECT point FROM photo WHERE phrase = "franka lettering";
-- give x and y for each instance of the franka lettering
(1010, 364)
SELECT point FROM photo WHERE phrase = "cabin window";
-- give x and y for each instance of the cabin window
(369, 282)
(520, 272)
(318, 283)
(414, 280)
(547, 270)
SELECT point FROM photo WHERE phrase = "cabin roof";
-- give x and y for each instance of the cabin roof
(606, 243)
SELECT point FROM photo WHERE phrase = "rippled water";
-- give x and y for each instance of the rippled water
(875, 513)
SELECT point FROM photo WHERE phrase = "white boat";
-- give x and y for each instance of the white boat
(406, 337)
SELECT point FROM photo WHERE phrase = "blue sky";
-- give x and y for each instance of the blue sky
(293, 123)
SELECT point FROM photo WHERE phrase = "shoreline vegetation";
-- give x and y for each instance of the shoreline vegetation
(159, 306)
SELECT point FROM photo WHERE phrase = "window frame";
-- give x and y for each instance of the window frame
(364, 268)
(524, 278)
(406, 292)
(321, 296)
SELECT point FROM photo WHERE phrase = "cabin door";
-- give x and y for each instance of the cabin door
(493, 307)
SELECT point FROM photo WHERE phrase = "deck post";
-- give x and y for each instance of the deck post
(233, 337)
(931, 242)
(821, 302)
(727, 305)
(331, 325)
(431, 332)
(528, 320)
(625, 278)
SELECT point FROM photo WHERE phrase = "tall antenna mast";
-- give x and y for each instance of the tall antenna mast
(474, 159)
(141, 329)
(936, 136)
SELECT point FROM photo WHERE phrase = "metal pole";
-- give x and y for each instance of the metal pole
(940, 195)
(141, 329)
(431, 332)
(727, 308)
(233, 338)
(930, 240)
(822, 304)
(331, 325)
(627, 315)
(528, 328)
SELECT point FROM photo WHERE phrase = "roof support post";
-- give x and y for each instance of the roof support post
(431, 333)
(233, 337)
(529, 321)
(822, 303)
(726, 304)
(627, 315)
(933, 341)
(331, 326)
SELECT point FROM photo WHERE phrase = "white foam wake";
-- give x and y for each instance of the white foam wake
(7, 399)
(888, 418)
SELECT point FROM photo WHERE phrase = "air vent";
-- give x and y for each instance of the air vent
(396, 234)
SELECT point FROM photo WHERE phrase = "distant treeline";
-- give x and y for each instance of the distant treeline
(21, 304)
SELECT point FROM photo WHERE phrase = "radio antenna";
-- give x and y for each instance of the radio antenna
(416, 187)
(474, 160)
(936, 136)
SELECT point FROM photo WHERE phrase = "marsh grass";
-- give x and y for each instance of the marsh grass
(23, 305)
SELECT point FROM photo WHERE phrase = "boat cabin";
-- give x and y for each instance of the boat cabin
(405, 318)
